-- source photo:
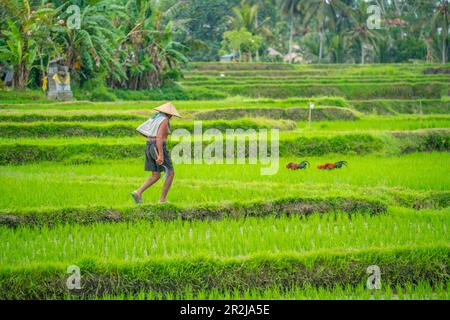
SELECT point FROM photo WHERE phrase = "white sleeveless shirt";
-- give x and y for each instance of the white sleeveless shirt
(151, 126)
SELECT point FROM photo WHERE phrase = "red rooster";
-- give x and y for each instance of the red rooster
(298, 166)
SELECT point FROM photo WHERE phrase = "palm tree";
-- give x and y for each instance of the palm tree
(440, 21)
(291, 8)
(325, 12)
(361, 33)
(246, 17)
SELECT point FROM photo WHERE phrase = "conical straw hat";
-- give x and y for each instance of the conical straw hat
(168, 108)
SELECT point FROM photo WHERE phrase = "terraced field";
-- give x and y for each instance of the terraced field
(67, 170)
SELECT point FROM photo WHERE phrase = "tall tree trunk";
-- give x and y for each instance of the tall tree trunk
(20, 78)
(291, 36)
(363, 53)
(444, 51)
(256, 28)
(43, 73)
(428, 43)
(445, 34)
(321, 45)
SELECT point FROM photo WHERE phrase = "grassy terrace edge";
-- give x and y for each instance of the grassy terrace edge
(179, 274)
(287, 206)
(353, 143)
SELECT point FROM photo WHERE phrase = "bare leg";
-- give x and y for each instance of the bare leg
(166, 187)
(147, 184)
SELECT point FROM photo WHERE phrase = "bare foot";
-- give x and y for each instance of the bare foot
(136, 197)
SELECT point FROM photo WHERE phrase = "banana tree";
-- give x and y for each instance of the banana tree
(20, 49)
(90, 46)
(19, 52)
(148, 50)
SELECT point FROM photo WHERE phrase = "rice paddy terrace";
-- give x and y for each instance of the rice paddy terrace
(67, 170)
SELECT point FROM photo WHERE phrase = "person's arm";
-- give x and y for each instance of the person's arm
(163, 131)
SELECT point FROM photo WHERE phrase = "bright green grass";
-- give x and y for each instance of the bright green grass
(107, 242)
(374, 123)
(136, 139)
(329, 70)
(110, 183)
(301, 79)
(340, 128)
(406, 291)
(231, 102)
(379, 123)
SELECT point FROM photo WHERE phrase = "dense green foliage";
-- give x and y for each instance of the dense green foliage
(142, 45)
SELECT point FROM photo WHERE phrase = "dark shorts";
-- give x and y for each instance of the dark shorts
(150, 158)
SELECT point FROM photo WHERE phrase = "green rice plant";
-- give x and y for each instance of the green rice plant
(377, 123)
(235, 236)
(240, 66)
(421, 291)
(349, 91)
(386, 106)
(409, 180)
(217, 81)
(42, 116)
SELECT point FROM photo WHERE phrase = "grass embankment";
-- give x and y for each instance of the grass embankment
(18, 151)
(146, 106)
(121, 129)
(320, 113)
(290, 206)
(326, 268)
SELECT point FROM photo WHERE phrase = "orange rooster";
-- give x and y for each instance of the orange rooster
(332, 166)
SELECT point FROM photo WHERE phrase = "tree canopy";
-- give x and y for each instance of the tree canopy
(136, 44)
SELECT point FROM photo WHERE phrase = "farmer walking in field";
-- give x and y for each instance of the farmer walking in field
(157, 157)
